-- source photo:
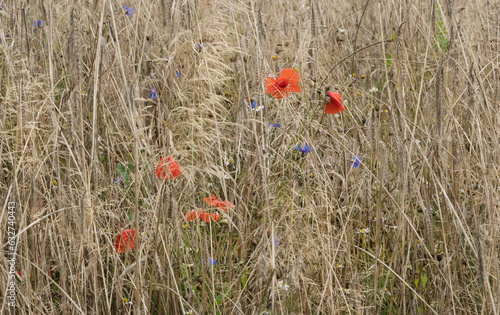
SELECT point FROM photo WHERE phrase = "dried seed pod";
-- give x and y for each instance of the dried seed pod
(327, 99)
(279, 48)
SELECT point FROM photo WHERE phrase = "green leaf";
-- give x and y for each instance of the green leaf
(219, 298)
(244, 278)
(131, 167)
(127, 178)
(424, 279)
(121, 168)
(388, 60)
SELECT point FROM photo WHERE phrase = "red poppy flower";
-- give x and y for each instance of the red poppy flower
(284, 85)
(173, 168)
(125, 241)
(199, 214)
(335, 106)
(193, 215)
(223, 205)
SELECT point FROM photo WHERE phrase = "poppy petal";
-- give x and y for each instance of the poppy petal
(282, 81)
(125, 241)
(175, 170)
(336, 96)
(280, 93)
(294, 88)
(159, 169)
(291, 75)
(335, 106)
(271, 85)
(210, 200)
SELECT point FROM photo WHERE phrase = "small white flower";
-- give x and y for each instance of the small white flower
(227, 176)
(391, 227)
(363, 231)
(258, 108)
(189, 265)
(409, 267)
(283, 286)
(99, 138)
(346, 291)
(387, 291)
(373, 89)
(190, 312)
(343, 209)
(346, 102)
(416, 141)
(126, 301)
(342, 30)
(83, 93)
(229, 161)
(437, 248)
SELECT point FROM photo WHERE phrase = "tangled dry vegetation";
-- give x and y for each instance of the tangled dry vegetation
(93, 94)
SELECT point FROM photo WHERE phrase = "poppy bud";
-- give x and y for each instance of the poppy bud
(223, 222)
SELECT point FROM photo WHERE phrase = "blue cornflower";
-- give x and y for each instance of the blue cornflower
(306, 149)
(276, 125)
(177, 74)
(211, 262)
(355, 161)
(153, 94)
(276, 241)
(36, 24)
(119, 179)
(129, 10)
(256, 106)
(200, 46)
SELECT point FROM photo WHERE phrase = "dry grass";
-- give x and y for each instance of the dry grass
(427, 187)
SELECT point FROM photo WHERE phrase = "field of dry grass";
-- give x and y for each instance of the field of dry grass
(394, 210)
